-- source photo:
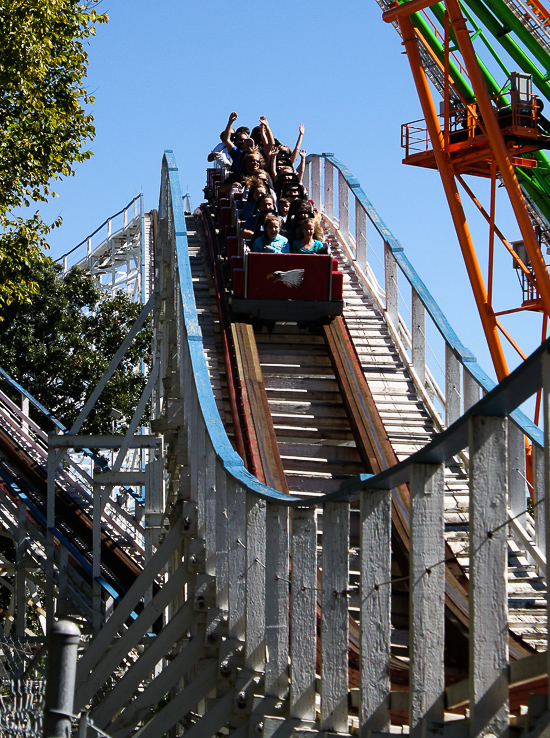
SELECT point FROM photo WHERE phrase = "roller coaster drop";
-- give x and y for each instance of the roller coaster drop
(366, 560)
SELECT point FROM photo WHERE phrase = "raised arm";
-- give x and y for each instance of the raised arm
(226, 138)
(265, 126)
(273, 164)
(302, 167)
(294, 154)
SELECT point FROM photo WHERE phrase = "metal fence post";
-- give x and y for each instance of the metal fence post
(60, 680)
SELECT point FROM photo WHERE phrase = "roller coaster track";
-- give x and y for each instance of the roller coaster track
(352, 582)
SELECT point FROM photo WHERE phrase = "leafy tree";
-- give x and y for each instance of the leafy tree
(59, 343)
(43, 125)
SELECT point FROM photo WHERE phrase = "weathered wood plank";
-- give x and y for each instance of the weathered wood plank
(452, 386)
(276, 601)
(427, 597)
(222, 580)
(392, 294)
(375, 563)
(255, 583)
(334, 619)
(488, 564)
(236, 554)
(303, 649)
(418, 336)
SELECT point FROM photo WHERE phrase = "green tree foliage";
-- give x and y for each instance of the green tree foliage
(59, 343)
(43, 124)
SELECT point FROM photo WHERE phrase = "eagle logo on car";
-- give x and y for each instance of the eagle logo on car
(292, 278)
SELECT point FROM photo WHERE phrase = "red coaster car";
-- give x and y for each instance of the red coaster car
(294, 287)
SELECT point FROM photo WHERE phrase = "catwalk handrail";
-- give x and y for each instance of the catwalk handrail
(61, 429)
(105, 222)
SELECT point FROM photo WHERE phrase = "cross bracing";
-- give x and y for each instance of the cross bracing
(225, 609)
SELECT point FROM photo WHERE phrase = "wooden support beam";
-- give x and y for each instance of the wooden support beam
(277, 600)
(488, 586)
(426, 597)
(334, 618)
(303, 646)
(236, 558)
(255, 583)
(375, 555)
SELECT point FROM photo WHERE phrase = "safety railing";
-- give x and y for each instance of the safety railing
(125, 219)
(244, 621)
(116, 254)
(446, 374)
(515, 110)
(31, 521)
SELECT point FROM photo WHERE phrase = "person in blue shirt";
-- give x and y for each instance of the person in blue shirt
(271, 242)
(309, 238)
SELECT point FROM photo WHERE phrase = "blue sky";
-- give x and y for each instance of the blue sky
(166, 75)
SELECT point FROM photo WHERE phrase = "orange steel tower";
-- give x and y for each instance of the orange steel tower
(484, 135)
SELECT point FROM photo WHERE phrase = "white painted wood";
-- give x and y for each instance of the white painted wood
(25, 414)
(236, 556)
(210, 509)
(517, 479)
(53, 458)
(221, 538)
(255, 583)
(212, 722)
(187, 700)
(343, 207)
(539, 501)
(303, 645)
(315, 190)
(70, 440)
(110, 660)
(471, 389)
(334, 618)
(419, 337)
(124, 608)
(452, 386)
(360, 235)
(154, 499)
(392, 294)
(426, 597)
(148, 700)
(276, 601)
(329, 189)
(488, 563)
(20, 574)
(192, 435)
(375, 562)
(201, 476)
(96, 563)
